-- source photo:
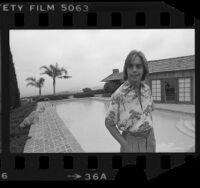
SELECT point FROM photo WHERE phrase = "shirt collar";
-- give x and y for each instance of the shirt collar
(128, 85)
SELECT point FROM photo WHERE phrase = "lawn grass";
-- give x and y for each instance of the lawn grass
(19, 136)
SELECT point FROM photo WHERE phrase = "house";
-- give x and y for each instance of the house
(171, 80)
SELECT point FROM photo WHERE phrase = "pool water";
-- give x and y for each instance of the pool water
(85, 119)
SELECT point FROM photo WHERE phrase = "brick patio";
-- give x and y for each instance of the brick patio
(50, 135)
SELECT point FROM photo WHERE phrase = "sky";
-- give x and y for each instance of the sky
(89, 55)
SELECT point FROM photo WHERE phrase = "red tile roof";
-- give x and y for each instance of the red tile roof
(162, 65)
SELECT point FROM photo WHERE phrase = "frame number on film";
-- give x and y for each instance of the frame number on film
(95, 176)
(4, 175)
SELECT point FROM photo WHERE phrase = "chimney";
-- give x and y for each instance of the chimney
(115, 71)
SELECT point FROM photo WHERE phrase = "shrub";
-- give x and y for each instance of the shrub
(52, 97)
(99, 91)
(87, 90)
(111, 87)
(40, 99)
(82, 95)
(18, 136)
(58, 97)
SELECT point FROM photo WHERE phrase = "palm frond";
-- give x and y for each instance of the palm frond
(66, 77)
(40, 82)
(31, 79)
(49, 73)
(63, 70)
(52, 67)
(45, 67)
(58, 72)
(54, 71)
(32, 84)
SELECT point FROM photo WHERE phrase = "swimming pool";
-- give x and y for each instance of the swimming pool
(85, 119)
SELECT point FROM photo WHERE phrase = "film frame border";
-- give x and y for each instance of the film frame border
(101, 16)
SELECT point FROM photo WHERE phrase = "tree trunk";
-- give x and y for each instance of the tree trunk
(54, 85)
(39, 92)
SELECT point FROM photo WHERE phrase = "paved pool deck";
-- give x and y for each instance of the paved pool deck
(180, 108)
(50, 135)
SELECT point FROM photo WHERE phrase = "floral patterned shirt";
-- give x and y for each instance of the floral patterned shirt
(125, 109)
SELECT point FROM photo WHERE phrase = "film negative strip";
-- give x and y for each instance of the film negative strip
(122, 64)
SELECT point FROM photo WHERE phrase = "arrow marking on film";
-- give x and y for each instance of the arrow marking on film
(75, 176)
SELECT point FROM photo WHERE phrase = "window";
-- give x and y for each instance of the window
(156, 90)
(170, 89)
(185, 90)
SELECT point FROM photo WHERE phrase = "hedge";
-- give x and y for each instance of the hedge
(51, 97)
(82, 95)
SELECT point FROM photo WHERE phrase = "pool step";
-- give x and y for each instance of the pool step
(190, 125)
(185, 127)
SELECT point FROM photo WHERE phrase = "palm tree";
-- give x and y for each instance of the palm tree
(54, 71)
(37, 83)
